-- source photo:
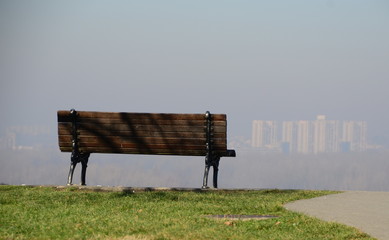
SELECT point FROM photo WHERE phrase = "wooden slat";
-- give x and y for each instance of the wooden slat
(137, 129)
(64, 116)
(138, 151)
(67, 131)
(147, 122)
(148, 151)
(149, 140)
(67, 139)
(140, 142)
(143, 146)
(161, 147)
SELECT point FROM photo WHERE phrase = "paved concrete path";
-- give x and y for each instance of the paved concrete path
(367, 211)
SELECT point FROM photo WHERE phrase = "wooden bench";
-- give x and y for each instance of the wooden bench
(83, 133)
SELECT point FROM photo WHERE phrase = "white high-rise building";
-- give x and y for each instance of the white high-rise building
(289, 136)
(354, 133)
(319, 134)
(304, 136)
(264, 134)
(326, 134)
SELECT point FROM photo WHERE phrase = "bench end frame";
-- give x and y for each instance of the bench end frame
(210, 158)
(76, 155)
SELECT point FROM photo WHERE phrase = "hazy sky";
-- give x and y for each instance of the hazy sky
(269, 60)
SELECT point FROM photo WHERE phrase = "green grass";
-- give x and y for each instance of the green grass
(47, 213)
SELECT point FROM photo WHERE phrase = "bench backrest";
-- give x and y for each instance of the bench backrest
(142, 133)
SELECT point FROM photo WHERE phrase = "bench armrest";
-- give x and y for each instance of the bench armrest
(230, 153)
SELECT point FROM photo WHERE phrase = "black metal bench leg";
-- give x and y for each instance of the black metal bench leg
(215, 171)
(84, 157)
(214, 162)
(206, 172)
(71, 171)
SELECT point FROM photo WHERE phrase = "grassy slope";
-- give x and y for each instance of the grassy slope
(46, 213)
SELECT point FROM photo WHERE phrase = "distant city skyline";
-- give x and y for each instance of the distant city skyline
(300, 136)
(304, 136)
